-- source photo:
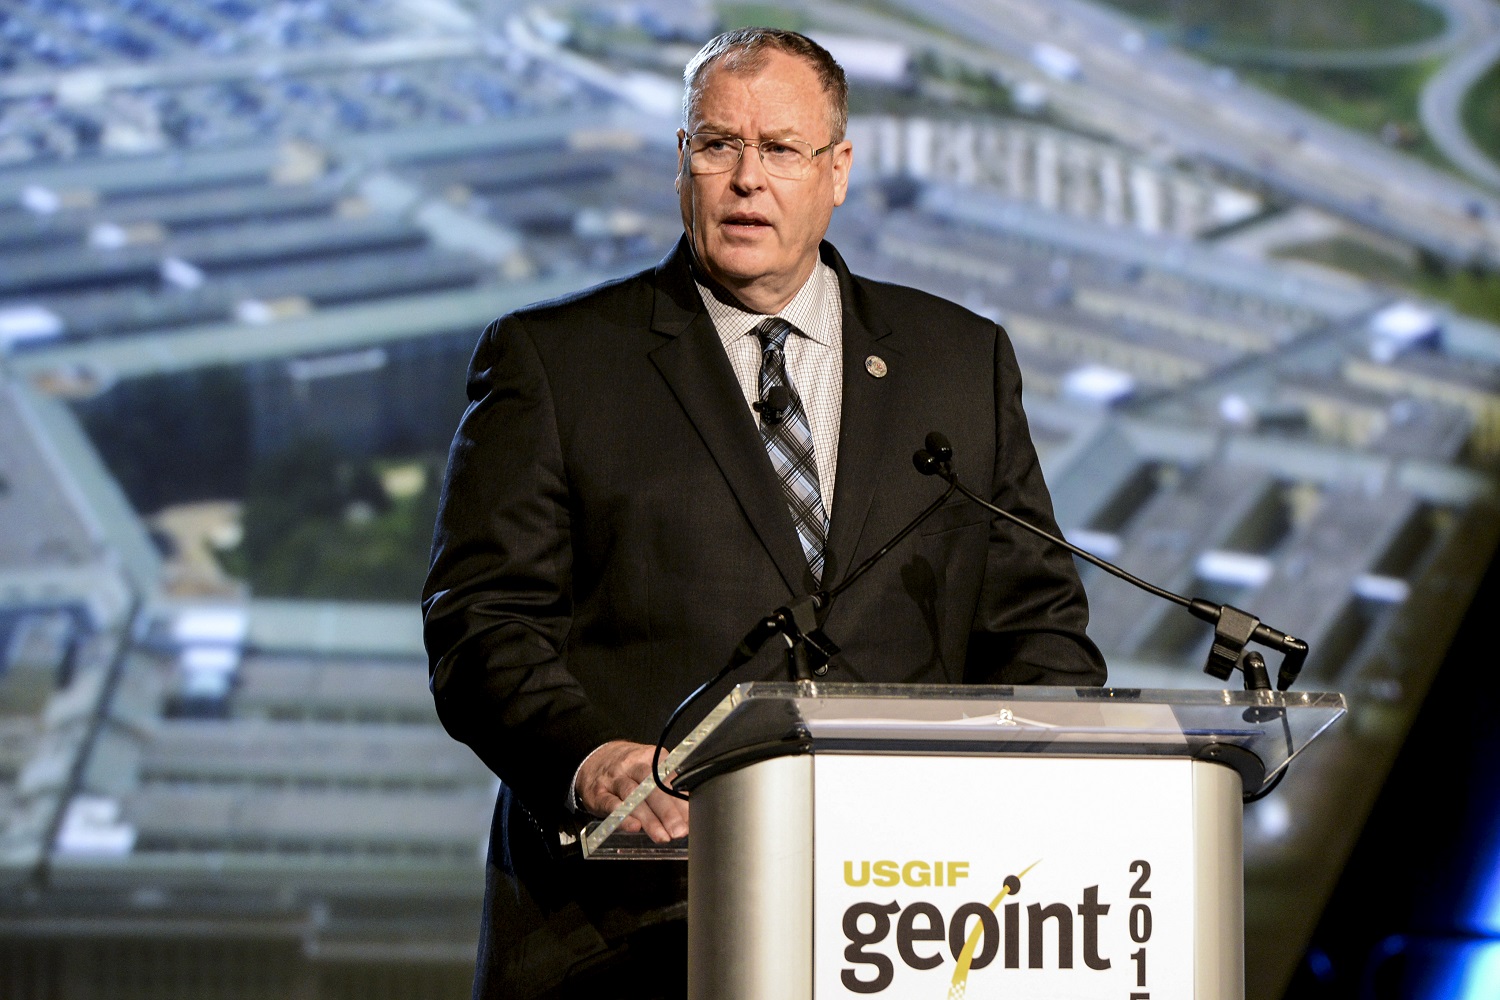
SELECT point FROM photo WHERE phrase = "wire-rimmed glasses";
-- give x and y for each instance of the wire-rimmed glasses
(716, 153)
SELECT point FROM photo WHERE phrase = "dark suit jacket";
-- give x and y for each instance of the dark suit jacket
(611, 527)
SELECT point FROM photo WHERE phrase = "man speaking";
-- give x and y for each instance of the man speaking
(648, 468)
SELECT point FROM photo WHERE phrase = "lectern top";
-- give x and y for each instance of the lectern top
(1257, 733)
(764, 719)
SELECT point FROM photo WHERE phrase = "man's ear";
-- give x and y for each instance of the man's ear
(842, 159)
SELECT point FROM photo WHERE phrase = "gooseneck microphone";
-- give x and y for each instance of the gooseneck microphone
(1233, 629)
(808, 649)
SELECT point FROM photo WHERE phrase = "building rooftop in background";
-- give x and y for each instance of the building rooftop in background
(314, 208)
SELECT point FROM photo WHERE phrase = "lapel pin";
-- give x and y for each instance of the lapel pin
(876, 366)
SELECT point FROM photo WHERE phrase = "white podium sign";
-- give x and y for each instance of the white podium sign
(1044, 878)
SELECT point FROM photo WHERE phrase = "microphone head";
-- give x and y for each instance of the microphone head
(938, 447)
(777, 401)
(1294, 654)
(925, 463)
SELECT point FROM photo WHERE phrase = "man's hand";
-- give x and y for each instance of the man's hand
(611, 773)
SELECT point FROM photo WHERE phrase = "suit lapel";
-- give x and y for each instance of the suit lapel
(863, 424)
(693, 362)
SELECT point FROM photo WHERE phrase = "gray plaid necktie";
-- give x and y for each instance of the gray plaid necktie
(789, 443)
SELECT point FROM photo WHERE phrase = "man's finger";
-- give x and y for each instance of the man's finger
(612, 773)
(660, 820)
(672, 812)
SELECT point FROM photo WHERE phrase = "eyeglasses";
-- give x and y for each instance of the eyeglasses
(712, 153)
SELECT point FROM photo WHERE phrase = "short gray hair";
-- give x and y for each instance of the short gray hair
(744, 49)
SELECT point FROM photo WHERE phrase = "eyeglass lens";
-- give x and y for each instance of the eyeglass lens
(713, 153)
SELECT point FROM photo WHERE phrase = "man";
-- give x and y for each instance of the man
(628, 494)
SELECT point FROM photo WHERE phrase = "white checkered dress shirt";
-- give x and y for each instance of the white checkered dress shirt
(814, 360)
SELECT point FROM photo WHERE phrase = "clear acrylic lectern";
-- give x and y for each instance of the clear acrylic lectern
(921, 841)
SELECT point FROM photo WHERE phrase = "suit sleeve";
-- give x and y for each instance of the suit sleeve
(1030, 625)
(497, 605)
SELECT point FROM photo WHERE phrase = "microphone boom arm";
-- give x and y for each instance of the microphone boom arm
(1233, 629)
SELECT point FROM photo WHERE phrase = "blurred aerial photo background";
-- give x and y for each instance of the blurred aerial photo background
(1248, 253)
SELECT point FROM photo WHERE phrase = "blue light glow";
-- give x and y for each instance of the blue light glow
(1484, 903)
(1474, 974)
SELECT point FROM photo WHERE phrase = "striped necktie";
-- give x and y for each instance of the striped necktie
(789, 443)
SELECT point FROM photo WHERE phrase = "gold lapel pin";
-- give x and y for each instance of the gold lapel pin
(876, 366)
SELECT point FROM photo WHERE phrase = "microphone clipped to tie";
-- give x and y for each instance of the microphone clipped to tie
(773, 407)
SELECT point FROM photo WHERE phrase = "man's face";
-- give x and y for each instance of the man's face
(755, 234)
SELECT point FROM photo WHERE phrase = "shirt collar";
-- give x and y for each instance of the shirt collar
(808, 310)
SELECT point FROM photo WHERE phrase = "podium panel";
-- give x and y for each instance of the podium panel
(750, 878)
(918, 876)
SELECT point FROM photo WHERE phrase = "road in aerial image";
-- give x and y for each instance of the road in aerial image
(1248, 257)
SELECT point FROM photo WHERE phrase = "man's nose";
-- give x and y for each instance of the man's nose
(750, 172)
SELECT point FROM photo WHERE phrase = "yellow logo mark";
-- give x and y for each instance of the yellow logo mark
(960, 984)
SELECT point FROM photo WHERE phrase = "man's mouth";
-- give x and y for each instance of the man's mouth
(747, 220)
